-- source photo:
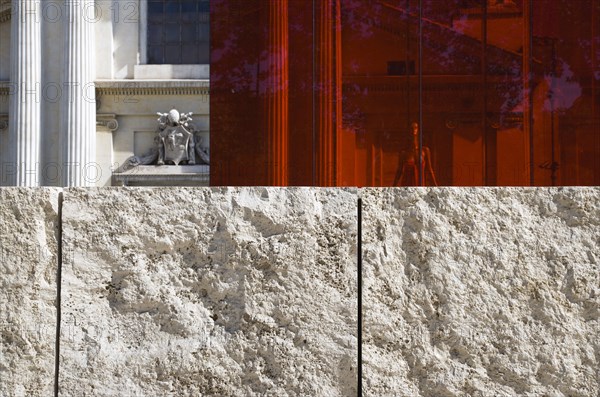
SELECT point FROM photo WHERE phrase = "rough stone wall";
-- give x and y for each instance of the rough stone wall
(28, 274)
(217, 292)
(253, 292)
(481, 292)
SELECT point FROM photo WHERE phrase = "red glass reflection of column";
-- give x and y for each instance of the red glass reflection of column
(276, 92)
(328, 89)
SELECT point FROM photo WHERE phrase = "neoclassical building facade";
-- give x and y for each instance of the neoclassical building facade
(81, 83)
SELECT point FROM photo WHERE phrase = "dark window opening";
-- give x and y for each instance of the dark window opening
(178, 32)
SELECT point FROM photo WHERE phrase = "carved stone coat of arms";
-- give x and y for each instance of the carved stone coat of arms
(176, 141)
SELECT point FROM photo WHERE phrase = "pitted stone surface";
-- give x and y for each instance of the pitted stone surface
(209, 292)
(28, 291)
(481, 292)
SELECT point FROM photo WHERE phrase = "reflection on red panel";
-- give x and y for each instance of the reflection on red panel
(237, 40)
(325, 92)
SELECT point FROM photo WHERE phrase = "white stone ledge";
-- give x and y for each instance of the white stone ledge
(164, 175)
(164, 72)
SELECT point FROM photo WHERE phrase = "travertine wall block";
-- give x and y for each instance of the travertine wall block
(481, 292)
(253, 292)
(209, 292)
(28, 291)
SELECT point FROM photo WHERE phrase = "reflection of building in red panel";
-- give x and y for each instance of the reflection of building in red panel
(360, 72)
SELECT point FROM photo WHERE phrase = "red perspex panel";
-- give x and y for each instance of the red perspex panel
(405, 92)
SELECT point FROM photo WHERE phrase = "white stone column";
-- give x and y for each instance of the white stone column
(25, 101)
(78, 113)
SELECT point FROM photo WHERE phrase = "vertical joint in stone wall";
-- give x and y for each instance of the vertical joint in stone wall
(359, 296)
(59, 259)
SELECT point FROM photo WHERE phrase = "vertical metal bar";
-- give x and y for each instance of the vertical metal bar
(595, 126)
(339, 83)
(530, 104)
(553, 165)
(528, 80)
(420, 171)
(407, 60)
(484, 156)
(314, 102)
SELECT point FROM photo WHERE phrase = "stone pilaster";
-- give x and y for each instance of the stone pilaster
(24, 105)
(78, 115)
(276, 92)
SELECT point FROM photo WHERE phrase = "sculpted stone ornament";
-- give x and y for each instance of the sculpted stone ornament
(174, 143)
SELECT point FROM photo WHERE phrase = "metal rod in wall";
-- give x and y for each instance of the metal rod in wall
(360, 297)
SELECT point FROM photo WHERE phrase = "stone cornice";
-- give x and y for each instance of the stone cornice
(147, 87)
(152, 87)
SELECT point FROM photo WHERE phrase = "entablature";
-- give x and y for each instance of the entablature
(152, 87)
